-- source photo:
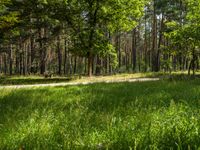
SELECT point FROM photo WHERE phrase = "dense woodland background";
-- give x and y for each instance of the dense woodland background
(97, 37)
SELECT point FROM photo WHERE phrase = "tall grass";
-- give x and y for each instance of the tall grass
(150, 115)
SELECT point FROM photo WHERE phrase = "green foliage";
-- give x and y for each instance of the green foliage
(193, 14)
(184, 35)
(187, 34)
(166, 65)
(108, 50)
(102, 116)
(7, 18)
(92, 21)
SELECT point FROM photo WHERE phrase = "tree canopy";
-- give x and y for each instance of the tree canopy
(104, 36)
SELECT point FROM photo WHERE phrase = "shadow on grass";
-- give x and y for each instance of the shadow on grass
(27, 81)
(143, 95)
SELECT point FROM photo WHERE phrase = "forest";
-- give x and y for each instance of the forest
(98, 37)
(99, 75)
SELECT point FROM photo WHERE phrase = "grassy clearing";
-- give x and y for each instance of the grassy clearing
(149, 115)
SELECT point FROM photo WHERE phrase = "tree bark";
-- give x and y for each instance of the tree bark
(32, 49)
(90, 64)
(157, 67)
(134, 50)
(154, 39)
(59, 56)
(98, 66)
(65, 59)
(10, 59)
(75, 64)
(5, 64)
(145, 45)
(119, 49)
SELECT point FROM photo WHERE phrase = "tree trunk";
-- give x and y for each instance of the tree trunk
(134, 52)
(157, 67)
(145, 45)
(75, 64)
(154, 39)
(42, 51)
(98, 66)
(118, 44)
(5, 64)
(20, 64)
(0, 64)
(110, 66)
(59, 56)
(10, 59)
(23, 59)
(192, 63)
(65, 59)
(90, 64)
(32, 49)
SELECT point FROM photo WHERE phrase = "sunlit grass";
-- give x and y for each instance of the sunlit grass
(150, 115)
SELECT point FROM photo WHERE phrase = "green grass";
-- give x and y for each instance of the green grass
(149, 115)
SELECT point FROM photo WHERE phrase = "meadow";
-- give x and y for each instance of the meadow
(149, 115)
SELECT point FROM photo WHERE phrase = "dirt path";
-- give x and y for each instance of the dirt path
(78, 83)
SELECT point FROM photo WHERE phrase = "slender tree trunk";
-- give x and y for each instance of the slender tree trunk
(110, 66)
(154, 39)
(90, 64)
(65, 59)
(145, 45)
(85, 70)
(42, 66)
(59, 56)
(17, 59)
(98, 66)
(118, 44)
(42, 32)
(10, 59)
(75, 64)
(150, 51)
(139, 61)
(32, 49)
(20, 64)
(157, 67)
(134, 52)
(23, 59)
(5, 64)
(0, 64)
(193, 62)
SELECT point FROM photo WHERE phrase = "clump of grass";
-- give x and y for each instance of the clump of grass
(150, 115)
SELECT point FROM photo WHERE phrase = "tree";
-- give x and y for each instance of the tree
(93, 20)
(185, 35)
(7, 18)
